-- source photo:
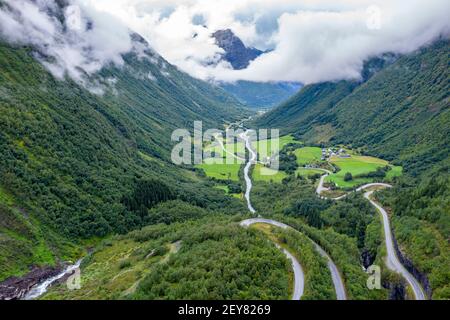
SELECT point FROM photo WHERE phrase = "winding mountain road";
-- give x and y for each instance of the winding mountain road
(320, 188)
(338, 283)
(392, 261)
(299, 277)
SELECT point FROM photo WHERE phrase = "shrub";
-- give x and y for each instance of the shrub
(348, 177)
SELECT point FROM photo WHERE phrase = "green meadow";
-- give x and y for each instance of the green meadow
(226, 189)
(359, 165)
(231, 171)
(221, 171)
(308, 155)
(232, 147)
(307, 172)
(261, 173)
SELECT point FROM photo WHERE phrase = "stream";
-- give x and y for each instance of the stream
(42, 287)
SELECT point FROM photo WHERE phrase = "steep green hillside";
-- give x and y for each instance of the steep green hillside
(308, 110)
(308, 107)
(69, 157)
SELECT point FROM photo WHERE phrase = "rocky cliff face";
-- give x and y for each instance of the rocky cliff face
(236, 53)
(421, 277)
(16, 288)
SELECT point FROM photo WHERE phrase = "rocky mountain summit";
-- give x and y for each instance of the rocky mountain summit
(256, 95)
(236, 53)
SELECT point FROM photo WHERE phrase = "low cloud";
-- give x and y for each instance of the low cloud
(73, 41)
(307, 41)
(310, 40)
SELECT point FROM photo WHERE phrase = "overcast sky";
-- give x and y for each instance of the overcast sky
(311, 40)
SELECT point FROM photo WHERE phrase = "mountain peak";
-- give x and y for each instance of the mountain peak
(236, 53)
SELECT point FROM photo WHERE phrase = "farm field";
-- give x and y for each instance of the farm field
(221, 171)
(308, 155)
(235, 147)
(231, 171)
(307, 172)
(261, 173)
(358, 165)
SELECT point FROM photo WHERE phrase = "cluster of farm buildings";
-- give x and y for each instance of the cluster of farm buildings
(330, 152)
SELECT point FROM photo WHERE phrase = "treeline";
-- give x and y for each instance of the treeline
(379, 173)
(146, 194)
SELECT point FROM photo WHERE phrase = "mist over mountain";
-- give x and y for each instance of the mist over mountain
(309, 41)
(259, 95)
(236, 53)
(398, 110)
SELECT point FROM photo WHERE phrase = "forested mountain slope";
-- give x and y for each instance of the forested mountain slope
(70, 154)
(400, 113)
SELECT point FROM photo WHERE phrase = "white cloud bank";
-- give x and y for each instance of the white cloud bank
(311, 40)
(81, 43)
